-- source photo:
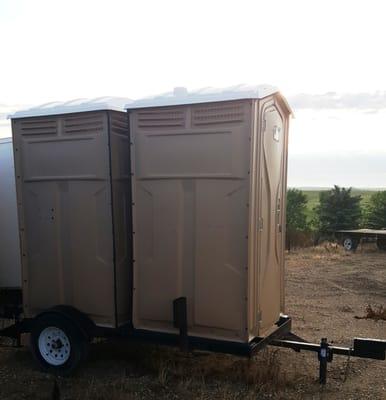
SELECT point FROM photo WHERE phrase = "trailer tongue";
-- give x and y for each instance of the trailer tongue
(362, 347)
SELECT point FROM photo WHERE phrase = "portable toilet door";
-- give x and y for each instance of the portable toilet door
(271, 190)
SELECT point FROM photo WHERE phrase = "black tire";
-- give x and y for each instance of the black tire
(381, 244)
(67, 343)
(349, 243)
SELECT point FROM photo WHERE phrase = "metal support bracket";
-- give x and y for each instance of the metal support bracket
(181, 321)
(283, 327)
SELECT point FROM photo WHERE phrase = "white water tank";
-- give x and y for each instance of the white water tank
(10, 270)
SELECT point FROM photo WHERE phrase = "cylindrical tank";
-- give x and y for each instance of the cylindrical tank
(10, 270)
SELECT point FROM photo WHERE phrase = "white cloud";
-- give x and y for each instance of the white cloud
(355, 170)
(370, 102)
(337, 131)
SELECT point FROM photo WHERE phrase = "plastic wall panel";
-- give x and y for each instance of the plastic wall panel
(191, 191)
(65, 213)
(221, 254)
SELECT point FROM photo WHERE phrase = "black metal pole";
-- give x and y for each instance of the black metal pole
(18, 333)
(181, 321)
(324, 356)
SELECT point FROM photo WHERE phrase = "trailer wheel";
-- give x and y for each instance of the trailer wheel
(381, 244)
(350, 243)
(57, 344)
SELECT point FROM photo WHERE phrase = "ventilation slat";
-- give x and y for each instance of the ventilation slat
(121, 118)
(218, 114)
(30, 125)
(161, 119)
(39, 127)
(83, 124)
(85, 117)
(155, 125)
(86, 123)
(120, 121)
(119, 124)
(76, 127)
(84, 130)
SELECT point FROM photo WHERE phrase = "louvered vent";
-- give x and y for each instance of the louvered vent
(39, 127)
(119, 124)
(220, 114)
(90, 123)
(165, 118)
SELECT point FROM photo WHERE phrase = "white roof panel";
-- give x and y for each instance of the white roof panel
(73, 106)
(181, 96)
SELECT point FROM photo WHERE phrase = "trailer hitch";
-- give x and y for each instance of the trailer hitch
(362, 347)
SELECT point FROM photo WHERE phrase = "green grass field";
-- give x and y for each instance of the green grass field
(313, 198)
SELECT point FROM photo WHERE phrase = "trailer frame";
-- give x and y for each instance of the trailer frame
(280, 336)
(350, 238)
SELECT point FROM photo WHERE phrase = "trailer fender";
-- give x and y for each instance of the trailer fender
(79, 319)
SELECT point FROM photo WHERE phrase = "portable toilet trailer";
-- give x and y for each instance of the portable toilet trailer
(209, 175)
(72, 174)
(165, 224)
(10, 270)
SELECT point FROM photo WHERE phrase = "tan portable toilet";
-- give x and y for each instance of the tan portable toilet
(209, 187)
(72, 173)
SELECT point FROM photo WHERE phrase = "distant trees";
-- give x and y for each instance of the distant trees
(296, 209)
(375, 212)
(296, 213)
(337, 209)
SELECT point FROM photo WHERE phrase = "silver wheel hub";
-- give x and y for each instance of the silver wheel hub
(54, 346)
(347, 244)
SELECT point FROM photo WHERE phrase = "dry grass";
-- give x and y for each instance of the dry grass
(376, 313)
(192, 375)
(155, 372)
(313, 256)
(329, 252)
(172, 366)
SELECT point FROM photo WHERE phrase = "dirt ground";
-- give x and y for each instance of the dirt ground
(325, 289)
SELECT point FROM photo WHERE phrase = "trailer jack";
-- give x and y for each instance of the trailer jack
(363, 348)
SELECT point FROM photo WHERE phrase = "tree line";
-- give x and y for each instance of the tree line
(338, 209)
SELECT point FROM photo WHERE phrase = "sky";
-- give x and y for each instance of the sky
(327, 57)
